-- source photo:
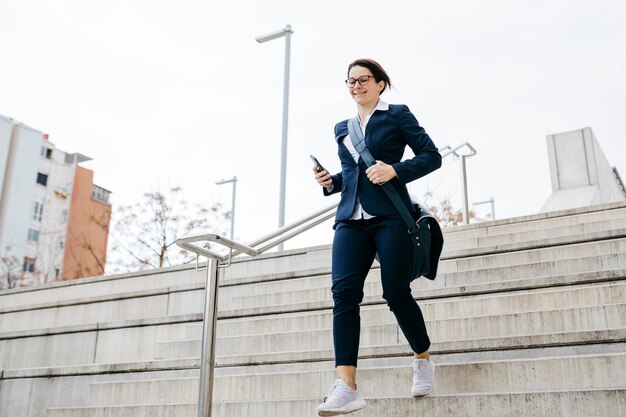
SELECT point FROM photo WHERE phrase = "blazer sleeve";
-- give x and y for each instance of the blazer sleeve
(427, 157)
(337, 184)
(337, 178)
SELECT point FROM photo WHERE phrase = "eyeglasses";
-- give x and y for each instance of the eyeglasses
(363, 79)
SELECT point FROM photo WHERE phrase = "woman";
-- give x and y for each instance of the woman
(367, 224)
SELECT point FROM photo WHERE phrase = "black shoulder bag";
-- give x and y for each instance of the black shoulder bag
(425, 232)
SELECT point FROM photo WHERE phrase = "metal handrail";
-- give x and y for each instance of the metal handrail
(219, 261)
(453, 151)
(307, 222)
(448, 150)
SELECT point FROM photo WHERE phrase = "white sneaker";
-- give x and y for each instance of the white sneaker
(341, 399)
(423, 377)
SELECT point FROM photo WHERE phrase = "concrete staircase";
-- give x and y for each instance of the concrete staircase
(527, 318)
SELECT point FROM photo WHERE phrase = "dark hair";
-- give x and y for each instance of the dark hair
(375, 68)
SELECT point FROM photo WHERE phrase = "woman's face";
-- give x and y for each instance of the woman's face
(368, 94)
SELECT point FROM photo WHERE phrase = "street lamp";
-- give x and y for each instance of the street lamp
(286, 32)
(232, 210)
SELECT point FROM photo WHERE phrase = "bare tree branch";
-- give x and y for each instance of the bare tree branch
(145, 233)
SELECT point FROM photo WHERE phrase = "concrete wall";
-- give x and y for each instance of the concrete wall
(580, 173)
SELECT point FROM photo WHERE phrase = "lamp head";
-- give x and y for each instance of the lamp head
(274, 35)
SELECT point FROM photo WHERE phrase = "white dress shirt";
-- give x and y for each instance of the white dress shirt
(358, 212)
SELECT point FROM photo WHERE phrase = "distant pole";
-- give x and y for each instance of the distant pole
(286, 33)
(232, 210)
(465, 198)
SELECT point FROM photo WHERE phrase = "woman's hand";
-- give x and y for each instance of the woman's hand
(323, 178)
(380, 173)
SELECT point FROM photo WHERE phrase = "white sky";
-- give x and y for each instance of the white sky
(165, 93)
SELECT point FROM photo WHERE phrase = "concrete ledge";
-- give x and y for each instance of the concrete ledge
(455, 229)
(420, 295)
(539, 216)
(499, 344)
(490, 230)
(487, 288)
(507, 343)
(97, 369)
(91, 327)
(161, 410)
(494, 223)
(499, 249)
(589, 402)
(534, 244)
(385, 381)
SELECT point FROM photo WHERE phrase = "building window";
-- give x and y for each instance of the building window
(46, 152)
(100, 194)
(33, 235)
(38, 211)
(29, 264)
(42, 179)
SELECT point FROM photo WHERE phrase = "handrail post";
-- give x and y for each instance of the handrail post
(207, 361)
(465, 199)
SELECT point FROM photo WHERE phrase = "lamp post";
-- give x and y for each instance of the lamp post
(232, 210)
(286, 33)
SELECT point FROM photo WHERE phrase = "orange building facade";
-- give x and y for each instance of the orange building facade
(87, 228)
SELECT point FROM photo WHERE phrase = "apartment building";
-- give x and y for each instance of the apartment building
(53, 220)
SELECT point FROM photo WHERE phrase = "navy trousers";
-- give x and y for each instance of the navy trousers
(354, 247)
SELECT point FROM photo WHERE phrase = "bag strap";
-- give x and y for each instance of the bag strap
(358, 141)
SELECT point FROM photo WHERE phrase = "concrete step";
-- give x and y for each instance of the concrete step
(465, 306)
(503, 347)
(519, 237)
(134, 392)
(540, 374)
(312, 289)
(567, 373)
(540, 262)
(534, 223)
(139, 307)
(543, 269)
(269, 266)
(110, 287)
(184, 300)
(138, 339)
(144, 410)
(589, 402)
(532, 256)
(130, 285)
(287, 262)
(602, 317)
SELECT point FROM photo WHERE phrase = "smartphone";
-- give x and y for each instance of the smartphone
(319, 166)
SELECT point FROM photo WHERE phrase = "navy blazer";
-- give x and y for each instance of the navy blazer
(387, 134)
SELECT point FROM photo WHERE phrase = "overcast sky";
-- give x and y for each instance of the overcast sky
(178, 93)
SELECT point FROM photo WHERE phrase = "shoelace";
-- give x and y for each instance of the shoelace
(330, 391)
(418, 369)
